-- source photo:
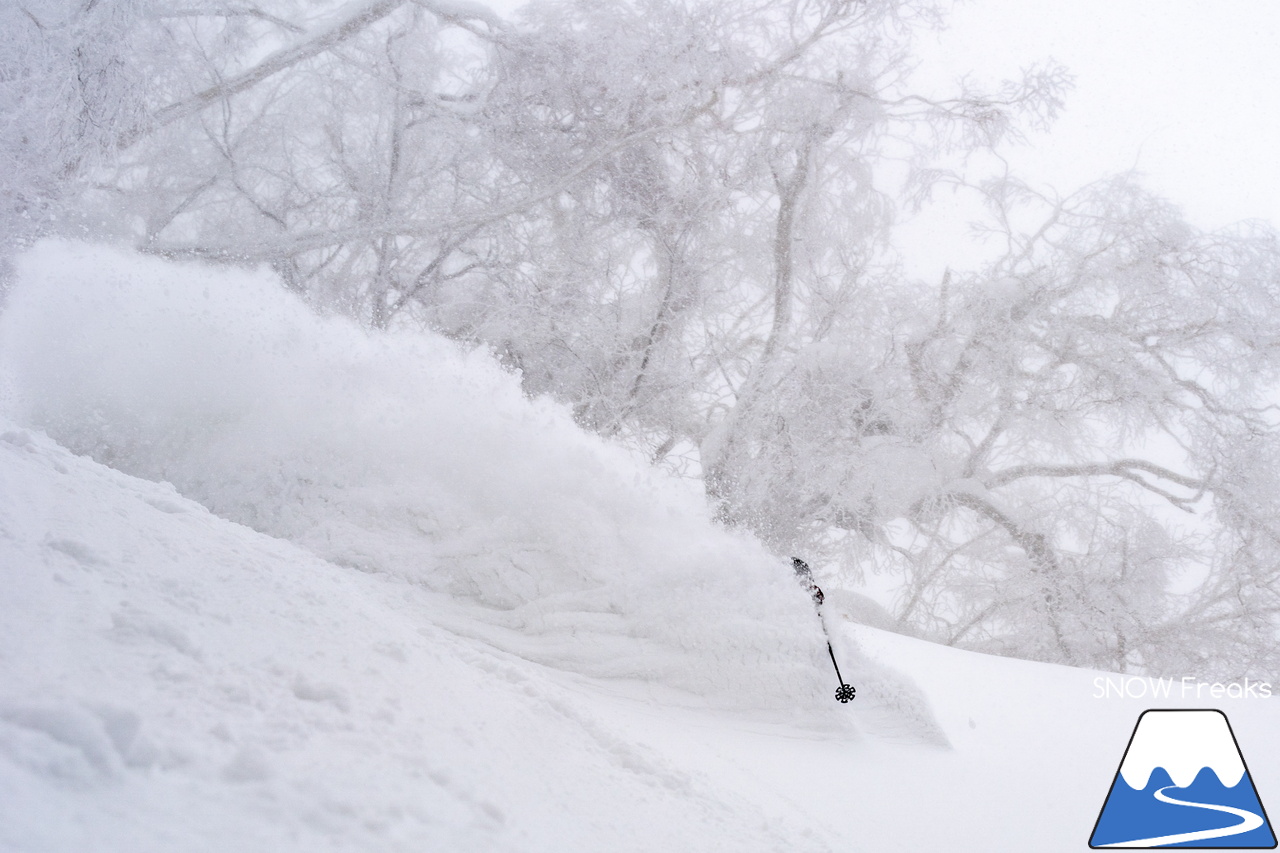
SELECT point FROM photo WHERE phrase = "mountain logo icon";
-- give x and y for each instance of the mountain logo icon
(1182, 783)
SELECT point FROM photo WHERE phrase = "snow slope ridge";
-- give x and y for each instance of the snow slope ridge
(401, 454)
(170, 681)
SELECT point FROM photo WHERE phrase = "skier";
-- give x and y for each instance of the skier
(805, 578)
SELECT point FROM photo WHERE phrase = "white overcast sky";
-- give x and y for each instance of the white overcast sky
(1186, 91)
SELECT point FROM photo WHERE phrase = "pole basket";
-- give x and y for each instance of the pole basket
(846, 693)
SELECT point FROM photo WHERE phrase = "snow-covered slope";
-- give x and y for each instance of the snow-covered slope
(459, 625)
(171, 681)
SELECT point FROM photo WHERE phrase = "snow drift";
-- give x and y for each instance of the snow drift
(176, 683)
(171, 682)
(402, 454)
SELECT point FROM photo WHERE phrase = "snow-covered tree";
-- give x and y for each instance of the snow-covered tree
(676, 217)
(70, 86)
(1050, 447)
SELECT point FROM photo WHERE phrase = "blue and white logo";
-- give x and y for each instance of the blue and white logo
(1183, 783)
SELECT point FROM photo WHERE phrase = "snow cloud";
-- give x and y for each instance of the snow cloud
(401, 454)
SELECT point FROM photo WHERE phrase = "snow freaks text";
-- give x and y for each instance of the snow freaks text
(1187, 687)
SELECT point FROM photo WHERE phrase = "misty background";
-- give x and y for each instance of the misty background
(975, 309)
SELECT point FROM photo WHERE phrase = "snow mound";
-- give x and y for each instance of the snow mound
(171, 682)
(174, 682)
(401, 454)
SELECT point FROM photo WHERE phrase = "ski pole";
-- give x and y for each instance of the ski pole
(846, 692)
